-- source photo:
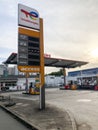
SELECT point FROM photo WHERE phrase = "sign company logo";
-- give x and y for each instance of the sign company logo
(33, 15)
(28, 17)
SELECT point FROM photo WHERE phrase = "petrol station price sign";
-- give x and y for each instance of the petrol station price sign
(30, 45)
(28, 50)
(28, 39)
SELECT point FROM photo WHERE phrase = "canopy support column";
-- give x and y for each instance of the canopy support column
(64, 73)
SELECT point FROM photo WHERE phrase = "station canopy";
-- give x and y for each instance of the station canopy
(50, 62)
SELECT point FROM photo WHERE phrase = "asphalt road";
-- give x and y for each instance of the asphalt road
(82, 104)
(9, 123)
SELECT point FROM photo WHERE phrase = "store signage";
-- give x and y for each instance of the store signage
(28, 17)
(29, 69)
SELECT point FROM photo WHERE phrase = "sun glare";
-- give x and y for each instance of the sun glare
(94, 53)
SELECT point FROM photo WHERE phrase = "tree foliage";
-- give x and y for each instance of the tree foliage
(58, 73)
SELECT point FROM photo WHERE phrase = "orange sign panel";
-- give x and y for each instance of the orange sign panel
(32, 69)
(29, 50)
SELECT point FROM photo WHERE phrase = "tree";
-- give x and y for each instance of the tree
(58, 73)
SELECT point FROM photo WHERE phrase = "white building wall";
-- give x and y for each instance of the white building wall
(2, 68)
(11, 71)
(16, 70)
(59, 80)
(70, 78)
(50, 80)
(54, 80)
(21, 83)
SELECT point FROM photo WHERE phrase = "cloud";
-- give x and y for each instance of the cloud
(70, 26)
(5, 53)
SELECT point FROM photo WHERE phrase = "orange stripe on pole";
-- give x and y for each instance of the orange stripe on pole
(42, 52)
(29, 32)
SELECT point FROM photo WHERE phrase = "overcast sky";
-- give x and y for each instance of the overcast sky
(70, 28)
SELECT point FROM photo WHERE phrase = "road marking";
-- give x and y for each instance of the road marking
(84, 100)
(84, 127)
(25, 105)
(19, 103)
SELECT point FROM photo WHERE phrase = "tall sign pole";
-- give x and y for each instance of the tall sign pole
(30, 45)
(42, 88)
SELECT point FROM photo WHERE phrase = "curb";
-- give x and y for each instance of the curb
(24, 122)
(72, 119)
(32, 126)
